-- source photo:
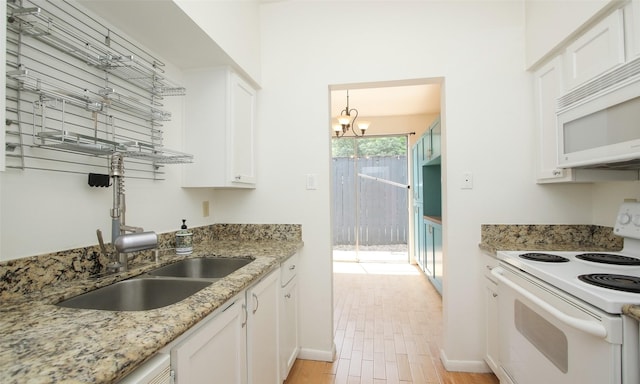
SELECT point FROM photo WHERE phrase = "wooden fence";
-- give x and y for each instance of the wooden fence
(383, 198)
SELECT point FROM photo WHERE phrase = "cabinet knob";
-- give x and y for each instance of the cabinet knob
(557, 172)
(288, 295)
(292, 267)
(494, 294)
(238, 177)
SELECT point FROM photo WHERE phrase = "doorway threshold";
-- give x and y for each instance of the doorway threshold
(396, 253)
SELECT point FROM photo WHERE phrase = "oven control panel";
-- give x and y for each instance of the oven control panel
(628, 220)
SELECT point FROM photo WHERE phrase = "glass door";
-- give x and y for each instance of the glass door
(370, 199)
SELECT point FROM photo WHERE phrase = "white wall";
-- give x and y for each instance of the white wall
(608, 196)
(234, 25)
(478, 48)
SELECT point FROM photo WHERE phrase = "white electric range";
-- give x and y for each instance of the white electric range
(560, 312)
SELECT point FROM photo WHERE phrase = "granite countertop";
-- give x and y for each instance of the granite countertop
(44, 343)
(530, 237)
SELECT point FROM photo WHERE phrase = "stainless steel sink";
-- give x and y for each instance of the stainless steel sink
(202, 268)
(136, 294)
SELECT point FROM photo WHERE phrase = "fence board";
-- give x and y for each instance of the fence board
(383, 207)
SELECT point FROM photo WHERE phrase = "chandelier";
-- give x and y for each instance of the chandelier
(347, 119)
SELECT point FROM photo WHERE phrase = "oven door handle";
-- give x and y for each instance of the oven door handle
(591, 327)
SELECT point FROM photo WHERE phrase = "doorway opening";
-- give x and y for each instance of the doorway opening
(378, 227)
(370, 199)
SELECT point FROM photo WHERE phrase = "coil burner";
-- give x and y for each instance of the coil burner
(544, 257)
(609, 258)
(612, 281)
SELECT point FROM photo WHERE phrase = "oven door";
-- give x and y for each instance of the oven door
(548, 337)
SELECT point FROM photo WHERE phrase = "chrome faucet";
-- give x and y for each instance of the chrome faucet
(138, 240)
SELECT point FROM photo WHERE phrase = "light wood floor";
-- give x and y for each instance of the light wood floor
(388, 327)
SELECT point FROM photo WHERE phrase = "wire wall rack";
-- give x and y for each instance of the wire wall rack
(78, 91)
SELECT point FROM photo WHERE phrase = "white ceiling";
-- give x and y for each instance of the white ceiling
(388, 100)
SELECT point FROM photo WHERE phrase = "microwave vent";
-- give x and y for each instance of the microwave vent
(628, 165)
(607, 81)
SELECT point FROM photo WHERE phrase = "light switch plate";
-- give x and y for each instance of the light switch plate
(312, 181)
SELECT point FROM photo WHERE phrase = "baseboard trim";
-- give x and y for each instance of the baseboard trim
(317, 354)
(475, 366)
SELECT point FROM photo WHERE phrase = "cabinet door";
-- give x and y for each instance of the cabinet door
(426, 145)
(242, 161)
(220, 130)
(214, 352)
(491, 319)
(289, 344)
(547, 88)
(596, 51)
(632, 29)
(418, 235)
(438, 256)
(262, 331)
(429, 259)
(416, 171)
(436, 133)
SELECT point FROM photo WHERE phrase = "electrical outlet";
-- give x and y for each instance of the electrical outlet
(205, 208)
(467, 180)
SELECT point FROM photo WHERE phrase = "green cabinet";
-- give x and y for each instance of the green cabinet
(433, 141)
(433, 253)
(427, 203)
(416, 174)
(419, 236)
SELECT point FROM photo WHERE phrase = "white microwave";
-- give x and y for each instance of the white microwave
(599, 122)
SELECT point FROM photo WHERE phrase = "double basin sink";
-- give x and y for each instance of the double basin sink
(160, 287)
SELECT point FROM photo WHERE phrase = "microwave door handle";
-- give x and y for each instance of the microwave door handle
(587, 326)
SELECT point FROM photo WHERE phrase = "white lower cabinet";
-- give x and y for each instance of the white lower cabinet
(262, 331)
(491, 316)
(156, 370)
(289, 343)
(491, 356)
(216, 351)
(253, 340)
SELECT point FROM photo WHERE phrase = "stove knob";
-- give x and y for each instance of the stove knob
(624, 218)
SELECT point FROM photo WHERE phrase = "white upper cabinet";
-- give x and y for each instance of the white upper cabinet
(592, 53)
(550, 24)
(632, 29)
(596, 51)
(220, 130)
(547, 88)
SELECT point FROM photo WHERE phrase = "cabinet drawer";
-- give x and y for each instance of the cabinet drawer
(288, 269)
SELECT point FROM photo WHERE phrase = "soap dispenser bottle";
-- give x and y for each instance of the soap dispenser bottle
(184, 240)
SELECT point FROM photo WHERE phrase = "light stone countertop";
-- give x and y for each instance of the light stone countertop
(43, 343)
